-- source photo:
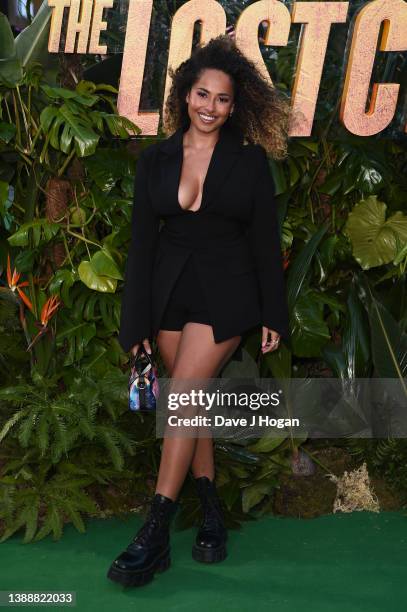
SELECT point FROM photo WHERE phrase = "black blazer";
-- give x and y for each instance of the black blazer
(234, 238)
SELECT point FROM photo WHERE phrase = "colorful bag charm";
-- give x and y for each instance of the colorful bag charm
(143, 383)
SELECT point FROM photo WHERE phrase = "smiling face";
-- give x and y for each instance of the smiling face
(210, 100)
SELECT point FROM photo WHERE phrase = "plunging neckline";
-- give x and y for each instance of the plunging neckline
(205, 179)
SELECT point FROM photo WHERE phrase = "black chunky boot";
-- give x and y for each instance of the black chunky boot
(210, 543)
(149, 551)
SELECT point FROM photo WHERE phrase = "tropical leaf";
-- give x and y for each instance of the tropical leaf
(375, 240)
(266, 444)
(10, 66)
(246, 368)
(11, 73)
(103, 264)
(61, 283)
(32, 43)
(388, 340)
(7, 131)
(300, 268)
(69, 129)
(94, 281)
(309, 330)
(280, 362)
(77, 335)
(253, 494)
(401, 255)
(108, 166)
(356, 338)
(42, 231)
(91, 306)
(389, 343)
(7, 48)
(12, 421)
(352, 358)
(55, 92)
(116, 124)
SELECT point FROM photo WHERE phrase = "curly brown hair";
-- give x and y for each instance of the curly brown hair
(261, 112)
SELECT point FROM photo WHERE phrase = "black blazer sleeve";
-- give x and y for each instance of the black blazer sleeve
(264, 237)
(135, 321)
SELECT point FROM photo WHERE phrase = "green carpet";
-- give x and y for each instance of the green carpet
(353, 561)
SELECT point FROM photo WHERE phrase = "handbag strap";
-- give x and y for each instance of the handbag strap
(149, 365)
(146, 369)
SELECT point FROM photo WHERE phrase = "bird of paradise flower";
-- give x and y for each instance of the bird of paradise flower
(47, 312)
(14, 285)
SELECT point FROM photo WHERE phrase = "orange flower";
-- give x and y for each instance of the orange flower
(14, 285)
(49, 308)
(47, 311)
(286, 259)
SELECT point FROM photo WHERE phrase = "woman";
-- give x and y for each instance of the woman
(212, 273)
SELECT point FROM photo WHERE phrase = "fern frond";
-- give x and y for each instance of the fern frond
(11, 422)
(56, 521)
(16, 394)
(43, 433)
(75, 516)
(27, 427)
(31, 520)
(109, 439)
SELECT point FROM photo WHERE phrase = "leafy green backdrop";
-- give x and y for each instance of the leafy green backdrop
(68, 445)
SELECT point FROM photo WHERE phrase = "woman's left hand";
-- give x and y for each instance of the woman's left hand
(269, 344)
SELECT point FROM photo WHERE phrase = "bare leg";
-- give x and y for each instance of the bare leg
(196, 356)
(203, 460)
(168, 342)
(203, 463)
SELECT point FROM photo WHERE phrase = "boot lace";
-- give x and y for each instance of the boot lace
(156, 520)
(147, 530)
(213, 517)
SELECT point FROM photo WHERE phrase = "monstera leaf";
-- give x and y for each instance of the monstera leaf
(42, 231)
(75, 335)
(375, 240)
(68, 128)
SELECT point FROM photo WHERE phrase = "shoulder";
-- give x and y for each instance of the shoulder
(148, 152)
(260, 164)
(145, 158)
(255, 150)
(256, 155)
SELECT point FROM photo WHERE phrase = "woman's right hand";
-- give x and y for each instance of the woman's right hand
(146, 344)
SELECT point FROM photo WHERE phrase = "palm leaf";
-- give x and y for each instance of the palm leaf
(301, 266)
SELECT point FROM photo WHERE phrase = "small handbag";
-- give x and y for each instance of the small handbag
(143, 382)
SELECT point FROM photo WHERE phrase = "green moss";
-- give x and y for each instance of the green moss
(312, 496)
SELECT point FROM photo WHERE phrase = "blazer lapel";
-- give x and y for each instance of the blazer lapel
(167, 168)
(225, 154)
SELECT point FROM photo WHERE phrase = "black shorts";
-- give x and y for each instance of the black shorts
(187, 301)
